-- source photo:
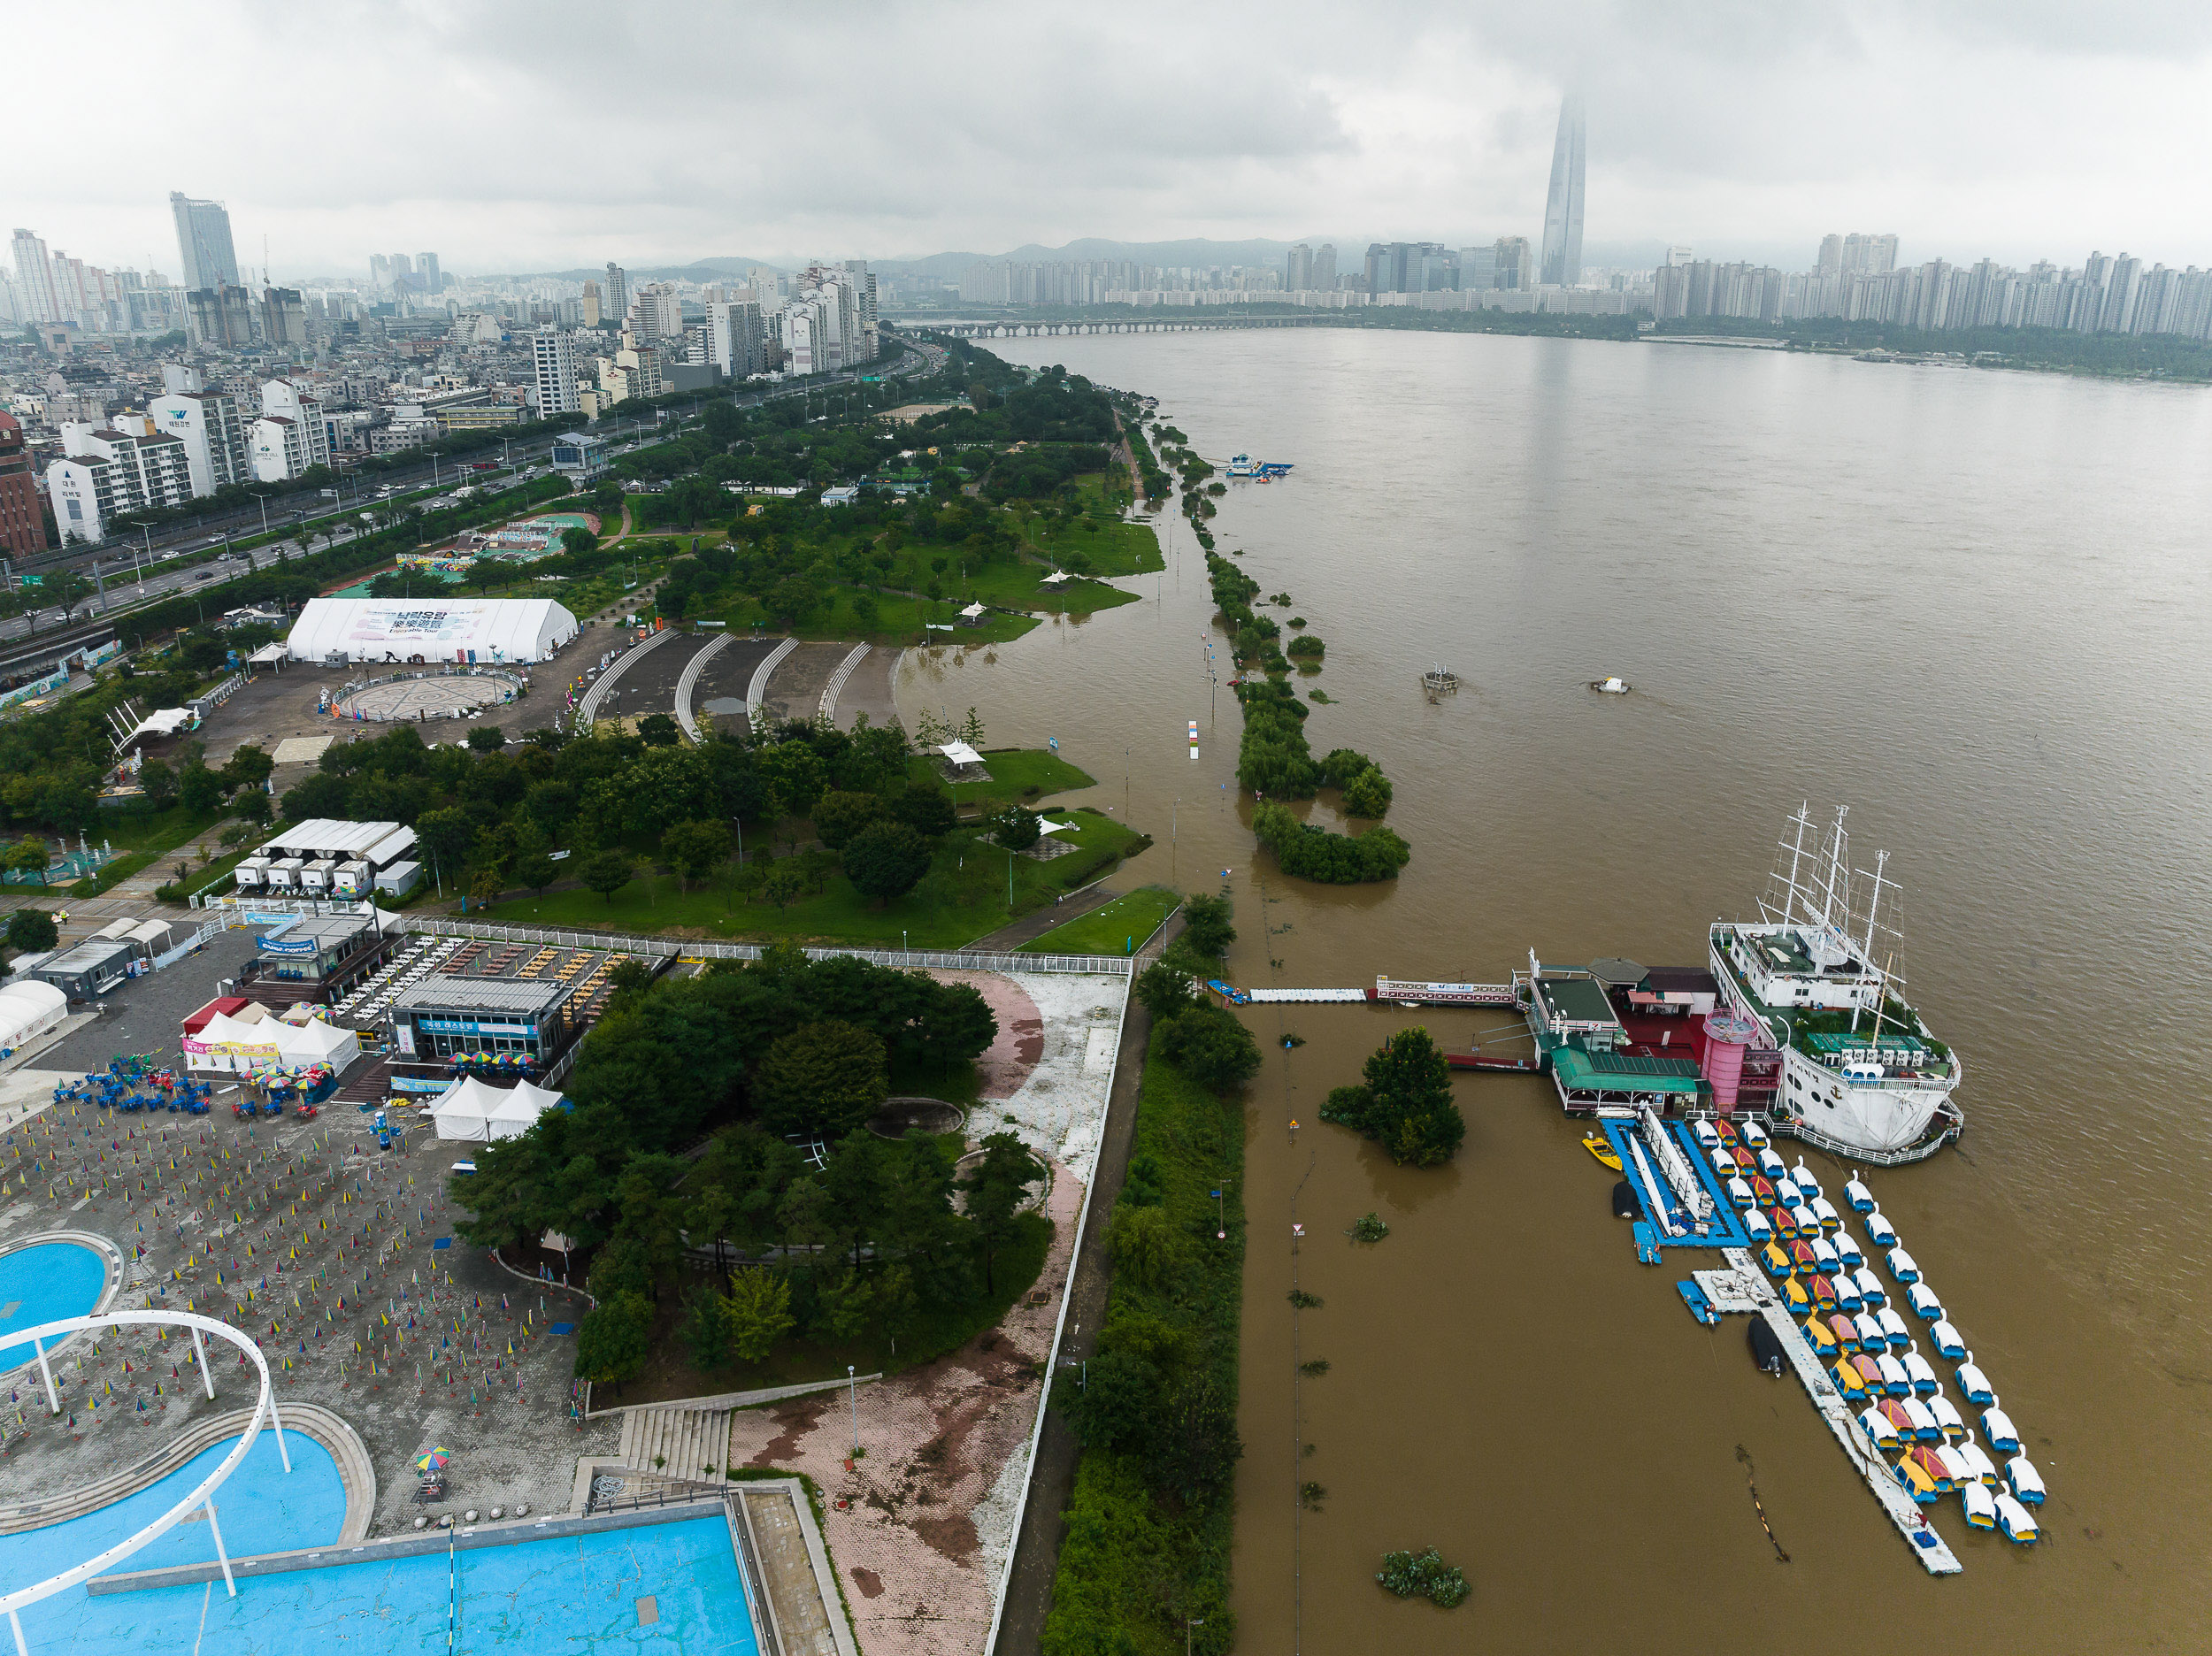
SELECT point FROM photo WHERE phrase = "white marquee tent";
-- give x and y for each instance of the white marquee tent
(246, 1047)
(29, 1009)
(471, 1110)
(484, 631)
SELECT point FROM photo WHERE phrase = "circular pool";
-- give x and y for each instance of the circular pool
(46, 1282)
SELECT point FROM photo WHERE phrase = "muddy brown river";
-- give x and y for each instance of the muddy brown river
(1972, 606)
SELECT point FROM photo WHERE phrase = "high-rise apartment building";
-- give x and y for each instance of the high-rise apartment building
(554, 356)
(1563, 205)
(1298, 269)
(290, 436)
(104, 471)
(863, 281)
(1324, 268)
(616, 300)
(207, 423)
(590, 308)
(657, 312)
(1857, 253)
(283, 317)
(220, 316)
(427, 268)
(34, 275)
(22, 519)
(733, 338)
(204, 242)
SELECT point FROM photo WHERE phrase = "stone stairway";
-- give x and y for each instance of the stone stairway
(677, 1441)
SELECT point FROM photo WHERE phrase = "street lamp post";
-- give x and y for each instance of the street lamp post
(853, 1390)
(1189, 1626)
(263, 500)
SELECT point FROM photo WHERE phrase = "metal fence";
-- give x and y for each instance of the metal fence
(898, 960)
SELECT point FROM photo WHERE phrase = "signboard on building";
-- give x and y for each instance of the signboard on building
(472, 1026)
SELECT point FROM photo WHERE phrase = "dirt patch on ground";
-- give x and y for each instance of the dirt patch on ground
(870, 1583)
(954, 1535)
(793, 1421)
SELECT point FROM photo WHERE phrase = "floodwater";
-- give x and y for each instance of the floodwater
(1970, 606)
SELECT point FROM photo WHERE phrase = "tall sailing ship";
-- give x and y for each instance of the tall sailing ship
(1817, 992)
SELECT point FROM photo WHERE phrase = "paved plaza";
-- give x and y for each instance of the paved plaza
(457, 696)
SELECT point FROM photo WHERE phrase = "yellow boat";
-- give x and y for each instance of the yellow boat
(1602, 1147)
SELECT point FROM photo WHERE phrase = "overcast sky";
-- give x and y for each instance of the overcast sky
(551, 136)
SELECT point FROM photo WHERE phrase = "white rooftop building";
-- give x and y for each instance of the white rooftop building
(484, 631)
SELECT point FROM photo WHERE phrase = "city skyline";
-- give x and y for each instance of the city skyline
(1969, 134)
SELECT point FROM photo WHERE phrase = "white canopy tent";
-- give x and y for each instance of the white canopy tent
(484, 631)
(247, 1047)
(473, 1111)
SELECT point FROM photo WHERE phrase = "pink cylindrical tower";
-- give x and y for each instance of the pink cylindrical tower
(1726, 1035)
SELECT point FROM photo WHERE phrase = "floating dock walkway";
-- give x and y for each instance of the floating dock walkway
(1400, 990)
(1741, 1288)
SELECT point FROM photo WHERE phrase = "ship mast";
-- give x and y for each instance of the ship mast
(1866, 947)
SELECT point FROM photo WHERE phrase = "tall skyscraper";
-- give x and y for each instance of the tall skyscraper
(554, 356)
(1298, 270)
(426, 265)
(1324, 268)
(589, 309)
(1511, 269)
(616, 300)
(34, 274)
(1562, 207)
(204, 242)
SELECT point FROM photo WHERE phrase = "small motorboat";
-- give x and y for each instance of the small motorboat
(1924, 1382)
(1974, 1383)
(1947, 1344)
(1822, 1342)
(1763, 1193)
(1929, 1460)
(2018, 1523)
(1824, 1291)
(1893, 1329)
(1847, 1333)
(1899, 1418)
(1964, 1452)
(1871, 1336)
(2027, 1482)
(1946, 1418)
(1877, 1429)
(1784, 1225)
(1789, 1193)
(1708, 1135)
(1803, 1252)
(1739, 1193)
(1794, 1297)
(1850, 1382)
(1924, 1303)
(1880, 1228)
(1825, 1210)
(1755, 1225)
(1766, 1347)
(1807, 1221)
(1997, 1426)
(1623, 1200)
(1919, 1420)
(1903, 1266)
(1602, 1147)
(1870, 1373)
(1804, 1178)
(1870, 1288)
(1895, 1381)
(1614, 686)
(1918, 1481)
(1848, 1250)
(1694, 1297)
(1981, 1506)
(1862, 1200)
(1770, 1164)
(1753, 1135)
(1778, 1263)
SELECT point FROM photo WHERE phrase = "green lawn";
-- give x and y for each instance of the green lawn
(898, 620)
(962, 898)
(1027, 774)
(1116, 549)
(140, 840)
(1110, 929)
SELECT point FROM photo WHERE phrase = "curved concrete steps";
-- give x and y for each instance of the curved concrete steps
(687, 685)
(758, 689)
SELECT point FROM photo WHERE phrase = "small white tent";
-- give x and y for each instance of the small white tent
(520, 1113)
(316, 1041)
(29, 1009)
(471, 1110)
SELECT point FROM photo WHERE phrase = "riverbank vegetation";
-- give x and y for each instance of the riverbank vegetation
(1151, 1517)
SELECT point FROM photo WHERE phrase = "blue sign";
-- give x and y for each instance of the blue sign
(286, 945)
(470, 1026)
(417, 1084)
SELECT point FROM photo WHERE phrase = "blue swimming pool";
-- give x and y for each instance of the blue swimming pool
(573, 1593)
(44, 1283)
